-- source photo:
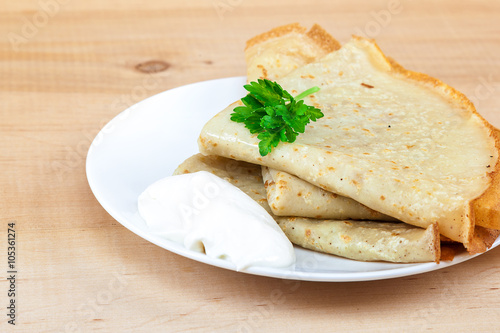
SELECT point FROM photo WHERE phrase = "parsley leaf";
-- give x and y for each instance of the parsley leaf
(274, 114)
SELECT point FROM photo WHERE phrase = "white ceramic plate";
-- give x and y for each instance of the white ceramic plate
(150, 139)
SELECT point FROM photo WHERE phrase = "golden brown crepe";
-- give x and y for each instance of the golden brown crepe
(399, 142)
(366, 241)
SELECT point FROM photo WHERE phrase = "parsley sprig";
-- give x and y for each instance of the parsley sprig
(275, 114)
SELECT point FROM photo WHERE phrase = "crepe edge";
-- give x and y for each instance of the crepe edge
(317, 34)
(436, 235)
(486, 208)
(323, 39)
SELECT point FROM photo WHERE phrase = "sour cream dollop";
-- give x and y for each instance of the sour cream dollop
(208, 214)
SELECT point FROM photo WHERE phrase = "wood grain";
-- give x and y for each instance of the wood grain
(81, 271)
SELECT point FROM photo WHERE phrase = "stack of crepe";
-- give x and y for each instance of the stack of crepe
(399, 163)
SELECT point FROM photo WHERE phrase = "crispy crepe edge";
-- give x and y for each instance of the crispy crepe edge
(317, 34)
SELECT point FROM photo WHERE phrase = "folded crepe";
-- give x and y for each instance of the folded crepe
(359, 240)
(399, 142)
(364, 240)
(288, 195)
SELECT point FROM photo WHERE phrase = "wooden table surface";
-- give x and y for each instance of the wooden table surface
(68, 67)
